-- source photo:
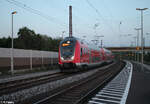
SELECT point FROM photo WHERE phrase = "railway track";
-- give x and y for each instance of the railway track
(80, 91)
(116, 91)
(16, 85)
(13, 86)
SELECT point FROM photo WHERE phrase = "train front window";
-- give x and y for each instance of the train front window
(67, 48)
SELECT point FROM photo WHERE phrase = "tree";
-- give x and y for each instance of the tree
(28, 39)
(5, 42)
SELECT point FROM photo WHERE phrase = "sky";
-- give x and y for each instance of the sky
(112, 20)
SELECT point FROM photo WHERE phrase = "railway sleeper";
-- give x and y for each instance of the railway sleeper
(66, 100)
(70, 97)
(70, 94)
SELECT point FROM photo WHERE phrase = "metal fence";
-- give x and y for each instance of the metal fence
(26, 58)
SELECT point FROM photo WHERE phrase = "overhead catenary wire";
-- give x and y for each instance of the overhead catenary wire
(78, 17)
(108, 10)
(84, 21)
(100, 15)
(34, 11)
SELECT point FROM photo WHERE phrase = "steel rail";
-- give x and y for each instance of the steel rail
(52, 97)
(13, 86)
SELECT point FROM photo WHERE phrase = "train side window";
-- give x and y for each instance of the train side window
(81, 52)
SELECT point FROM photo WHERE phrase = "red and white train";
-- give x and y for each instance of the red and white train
(76, 54)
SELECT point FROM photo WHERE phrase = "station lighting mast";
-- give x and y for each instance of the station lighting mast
(142, 31)
(137, 48)
(12, 46)
(99, 36)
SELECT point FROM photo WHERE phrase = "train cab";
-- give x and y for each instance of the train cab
(76, 54)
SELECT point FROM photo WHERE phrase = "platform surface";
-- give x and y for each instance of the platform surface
(139, 92)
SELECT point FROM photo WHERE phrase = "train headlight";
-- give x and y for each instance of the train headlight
(62, 58)
(72, 57)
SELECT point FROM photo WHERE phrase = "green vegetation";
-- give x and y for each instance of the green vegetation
(28, 39)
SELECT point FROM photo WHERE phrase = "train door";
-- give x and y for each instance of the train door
(81, 55)
(90, 56)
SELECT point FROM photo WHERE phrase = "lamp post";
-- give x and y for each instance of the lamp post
(141, 31)
(95, 26)
(63, 34)
(84, 36)
(138, 29)
(125, 35)
(135, 47)
(148, 34)
(97, 37)
(12, 46)
(120, 33)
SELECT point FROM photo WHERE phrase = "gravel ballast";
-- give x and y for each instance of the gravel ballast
(43, 88)
(26, 76)
(28, 93)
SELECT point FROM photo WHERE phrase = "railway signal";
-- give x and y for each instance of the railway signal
(137, 48)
